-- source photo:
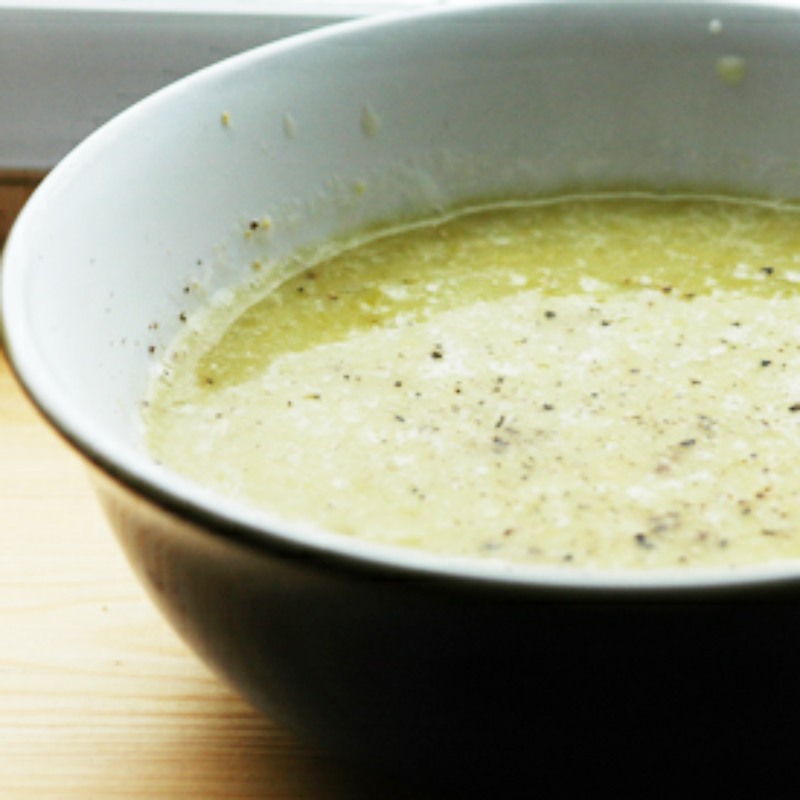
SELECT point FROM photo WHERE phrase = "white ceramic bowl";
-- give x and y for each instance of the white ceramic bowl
(394, 655)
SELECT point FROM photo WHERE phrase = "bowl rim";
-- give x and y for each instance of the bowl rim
(233, 521)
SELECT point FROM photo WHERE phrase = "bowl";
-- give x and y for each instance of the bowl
(391, 656)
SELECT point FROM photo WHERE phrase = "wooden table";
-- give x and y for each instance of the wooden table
(99, 699)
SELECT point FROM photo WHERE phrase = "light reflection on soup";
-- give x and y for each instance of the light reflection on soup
(607, 382)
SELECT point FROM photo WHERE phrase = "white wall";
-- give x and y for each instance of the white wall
(67, 66)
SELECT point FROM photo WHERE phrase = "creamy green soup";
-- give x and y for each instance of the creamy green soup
(608, 382)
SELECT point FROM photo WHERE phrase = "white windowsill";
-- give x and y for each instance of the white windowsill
(340, 8)
(67, 66)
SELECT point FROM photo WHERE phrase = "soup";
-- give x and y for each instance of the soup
(607, 382)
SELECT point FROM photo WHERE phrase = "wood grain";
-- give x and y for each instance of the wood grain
(98, 697)
(16, 186)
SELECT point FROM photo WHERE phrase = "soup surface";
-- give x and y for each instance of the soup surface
(611, 382)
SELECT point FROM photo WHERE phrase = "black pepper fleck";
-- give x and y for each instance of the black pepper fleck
(643, 541)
